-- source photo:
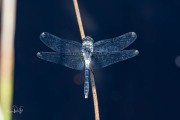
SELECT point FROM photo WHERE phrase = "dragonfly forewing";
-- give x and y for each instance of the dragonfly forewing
(60, 45)
(115, 44)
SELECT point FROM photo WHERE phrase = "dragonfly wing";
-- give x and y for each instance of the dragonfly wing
(115, 44)
(60, 45)
(104, 59)
(70, 60)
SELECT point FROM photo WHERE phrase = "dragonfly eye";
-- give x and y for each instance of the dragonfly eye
(88, 38)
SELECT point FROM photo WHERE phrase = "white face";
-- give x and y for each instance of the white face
(87, 50)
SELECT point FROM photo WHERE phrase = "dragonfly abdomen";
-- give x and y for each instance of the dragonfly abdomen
(86, 83)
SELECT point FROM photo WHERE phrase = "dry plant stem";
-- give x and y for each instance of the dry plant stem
(96, 108)
(78, 15)
(95, 99)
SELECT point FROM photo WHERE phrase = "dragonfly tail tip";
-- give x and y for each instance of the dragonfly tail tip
(86, 97)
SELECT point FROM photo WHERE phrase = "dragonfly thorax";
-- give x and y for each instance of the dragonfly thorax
(87, 50)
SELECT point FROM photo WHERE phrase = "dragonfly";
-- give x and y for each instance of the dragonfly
(89, 55)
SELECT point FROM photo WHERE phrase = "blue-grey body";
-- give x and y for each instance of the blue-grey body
(87, 51)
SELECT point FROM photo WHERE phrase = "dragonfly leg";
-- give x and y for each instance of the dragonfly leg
(92, 71)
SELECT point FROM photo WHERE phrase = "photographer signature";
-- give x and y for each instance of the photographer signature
(16, 109)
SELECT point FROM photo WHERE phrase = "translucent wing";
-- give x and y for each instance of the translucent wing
(58, 44)
(104, 59)
(71, 60)
(115, 44)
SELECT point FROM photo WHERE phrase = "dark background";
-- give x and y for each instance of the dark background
(145, 87)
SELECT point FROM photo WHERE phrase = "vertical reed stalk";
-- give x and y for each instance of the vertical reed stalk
(7, 57)
(95, 99)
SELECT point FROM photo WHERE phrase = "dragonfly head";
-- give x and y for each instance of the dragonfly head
(88, 38)
(87, 45)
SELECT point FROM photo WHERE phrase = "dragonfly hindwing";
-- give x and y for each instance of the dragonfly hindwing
(104, 59)
(72, 60)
